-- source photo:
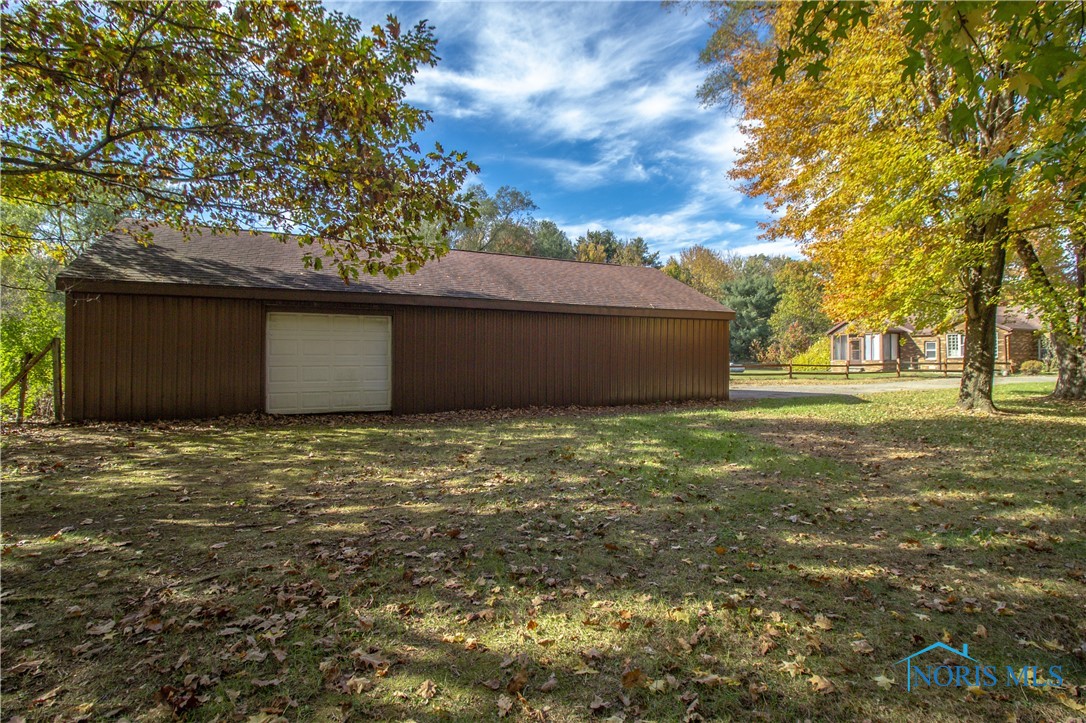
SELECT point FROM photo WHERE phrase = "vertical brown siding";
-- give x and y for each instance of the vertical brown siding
(150, 357)
(471, 359)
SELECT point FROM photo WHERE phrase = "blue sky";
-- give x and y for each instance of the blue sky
(591, 107)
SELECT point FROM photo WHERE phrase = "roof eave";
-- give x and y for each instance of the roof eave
(91, 286)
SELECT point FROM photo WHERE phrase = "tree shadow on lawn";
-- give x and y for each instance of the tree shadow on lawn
(433, 546)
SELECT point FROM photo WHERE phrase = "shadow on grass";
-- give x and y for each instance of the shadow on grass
(746, 519)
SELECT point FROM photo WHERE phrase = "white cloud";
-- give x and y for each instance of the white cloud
(596, 97)
(565, 71)
(783, 247)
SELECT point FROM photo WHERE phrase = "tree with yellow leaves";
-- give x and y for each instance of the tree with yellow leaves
(901, 187)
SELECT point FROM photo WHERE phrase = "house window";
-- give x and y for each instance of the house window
(855, 350)
(872, 344)
(840, 347)
(955, 345)
(889, 347)
(931, 350)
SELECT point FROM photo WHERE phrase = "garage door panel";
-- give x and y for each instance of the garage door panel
(279, 374)
(328, 363)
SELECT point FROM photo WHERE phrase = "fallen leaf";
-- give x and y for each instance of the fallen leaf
(101, 629)
(598, 704)
(633, 678)
(823, 622)
(517, 682)
(862, 647)
(30, 666)
(46, 697)
(883, 682)
(369, 659)
(427, 690)
(794, 667)
(505, 704)
(267, 683)
(550, 685)
(709, 680)
(357, 684)
(821, 684)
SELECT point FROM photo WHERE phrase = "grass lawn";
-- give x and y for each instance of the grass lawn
(766, 560)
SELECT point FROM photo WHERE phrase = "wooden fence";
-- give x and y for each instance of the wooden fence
(847, 369)
(21, 379)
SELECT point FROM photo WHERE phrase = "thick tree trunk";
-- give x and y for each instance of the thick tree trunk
(1071, 366)
(981, 300)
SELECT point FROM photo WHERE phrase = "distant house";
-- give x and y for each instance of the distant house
(1018, 339)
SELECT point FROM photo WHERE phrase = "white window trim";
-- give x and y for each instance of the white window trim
(934, 351)
(960, 353)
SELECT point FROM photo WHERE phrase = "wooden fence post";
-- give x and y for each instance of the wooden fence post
(58, 384)
(899, 366)
(789, 370)
(22, 387)
(946, 368)
(846, 370)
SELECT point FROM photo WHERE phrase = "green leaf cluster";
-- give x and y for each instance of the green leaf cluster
(278, 115)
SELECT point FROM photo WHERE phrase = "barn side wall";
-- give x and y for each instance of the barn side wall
(162, 357)
(134, 356)
(466, 359)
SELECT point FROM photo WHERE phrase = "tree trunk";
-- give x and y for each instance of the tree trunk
(982, 298)
(1064, 315)
(1071, 366)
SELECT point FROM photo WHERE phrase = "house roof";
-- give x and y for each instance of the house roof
(1008, 318)
(261, 262)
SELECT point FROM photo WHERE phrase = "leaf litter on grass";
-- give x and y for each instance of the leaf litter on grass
(664, 564)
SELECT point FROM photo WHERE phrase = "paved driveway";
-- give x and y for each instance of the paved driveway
(784, 391)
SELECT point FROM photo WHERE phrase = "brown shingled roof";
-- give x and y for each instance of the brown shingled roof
(1008, 318)
(273, 262)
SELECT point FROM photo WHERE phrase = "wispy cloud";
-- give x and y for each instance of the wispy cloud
(565, 73)
(591, 99)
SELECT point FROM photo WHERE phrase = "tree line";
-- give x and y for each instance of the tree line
(505, 223)
(777, 300)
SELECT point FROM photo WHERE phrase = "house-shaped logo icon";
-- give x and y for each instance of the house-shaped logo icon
(964, 652)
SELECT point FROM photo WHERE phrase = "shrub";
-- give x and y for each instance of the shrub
(1032, 367)
(817, 354)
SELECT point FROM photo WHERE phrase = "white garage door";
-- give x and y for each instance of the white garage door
(329, 363)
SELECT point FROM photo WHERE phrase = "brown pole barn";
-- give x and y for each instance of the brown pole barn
(225, 324)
